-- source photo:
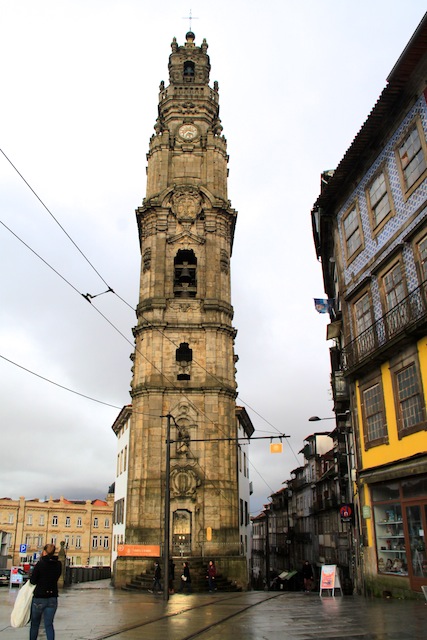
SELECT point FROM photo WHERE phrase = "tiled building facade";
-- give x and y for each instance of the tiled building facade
(370, 231)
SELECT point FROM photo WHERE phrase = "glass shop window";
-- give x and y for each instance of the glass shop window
(390, 539)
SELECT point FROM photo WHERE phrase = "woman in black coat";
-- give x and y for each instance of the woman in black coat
(45, 576)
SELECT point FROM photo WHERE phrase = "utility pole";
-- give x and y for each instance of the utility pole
(167, 511)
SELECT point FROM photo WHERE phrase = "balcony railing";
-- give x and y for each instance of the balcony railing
(406, 315)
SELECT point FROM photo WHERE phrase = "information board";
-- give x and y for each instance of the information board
(139, 550)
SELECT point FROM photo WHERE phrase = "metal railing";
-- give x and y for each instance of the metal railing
(408, 313)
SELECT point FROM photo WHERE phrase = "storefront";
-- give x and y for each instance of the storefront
(400, 523)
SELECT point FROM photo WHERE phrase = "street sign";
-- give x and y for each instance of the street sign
(22, 548)
(347, 513)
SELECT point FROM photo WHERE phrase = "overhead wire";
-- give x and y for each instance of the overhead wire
(53, 217)
(89, 298)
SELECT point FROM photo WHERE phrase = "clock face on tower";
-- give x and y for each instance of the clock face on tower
(187, 131)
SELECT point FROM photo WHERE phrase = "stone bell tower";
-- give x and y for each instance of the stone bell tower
(184, 361)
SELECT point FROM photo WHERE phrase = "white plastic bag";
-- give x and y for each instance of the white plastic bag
(21, 611)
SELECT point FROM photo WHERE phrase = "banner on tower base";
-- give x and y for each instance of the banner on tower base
(139, 550)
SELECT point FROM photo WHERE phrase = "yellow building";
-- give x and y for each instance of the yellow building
(370, 231)
(85, 526)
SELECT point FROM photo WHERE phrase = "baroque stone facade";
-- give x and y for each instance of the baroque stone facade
(184, 361)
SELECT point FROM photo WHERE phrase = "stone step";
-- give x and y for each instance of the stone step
(199, 582)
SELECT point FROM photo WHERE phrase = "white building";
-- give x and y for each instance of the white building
(121, 429)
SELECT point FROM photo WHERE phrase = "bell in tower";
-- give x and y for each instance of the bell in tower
(184, 360)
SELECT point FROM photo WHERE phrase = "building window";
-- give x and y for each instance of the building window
(389, 530)
(408, 393)
(411, 157)
(41, 520)
(352, 231)
(373, 412)
(78, 542)
(54, 521)
(393, 287)
(95, 523)
(106, 543)
(119, 508)
(30, 519)
(411, 409)
(379, 201)
(393, 294)
(68, 521)
(79, 521)
(94, 542)
(188, 69)
(421, 252)
(107, 523)
(185, 282)
(362, 314)
(184, 357)
(125, 458)
(10, 518)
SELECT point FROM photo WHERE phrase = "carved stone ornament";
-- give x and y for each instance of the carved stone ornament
(185, 306)
(146, 260)
(186, 203)
(184, 482)
(224, 261)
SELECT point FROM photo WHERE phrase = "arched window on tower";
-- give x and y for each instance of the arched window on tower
(184, 356)
(185, 282)
(188, 69)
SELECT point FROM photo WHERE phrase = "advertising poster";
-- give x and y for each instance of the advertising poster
(329, 579)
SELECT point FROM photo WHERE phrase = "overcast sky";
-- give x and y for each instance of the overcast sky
(79, 94)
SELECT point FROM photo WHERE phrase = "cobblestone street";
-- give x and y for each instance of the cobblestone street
(94, 611)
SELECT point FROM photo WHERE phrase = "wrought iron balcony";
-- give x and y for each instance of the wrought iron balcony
(404, 319)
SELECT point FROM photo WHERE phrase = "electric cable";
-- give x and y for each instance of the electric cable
(89, 298)
(133, 345)
(53, 217)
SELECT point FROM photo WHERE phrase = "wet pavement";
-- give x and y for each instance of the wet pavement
(95, 611)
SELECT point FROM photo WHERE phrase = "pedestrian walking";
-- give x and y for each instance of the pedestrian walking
(45, 576)
(157, 587)
(211, 576)
(185, 578)
(308, 576)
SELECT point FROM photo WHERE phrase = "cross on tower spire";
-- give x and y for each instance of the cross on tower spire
(190, 18)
